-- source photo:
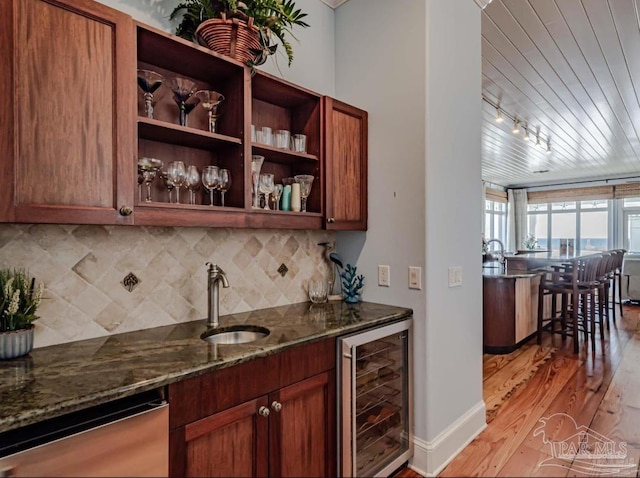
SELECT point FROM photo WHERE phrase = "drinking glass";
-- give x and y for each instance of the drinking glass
(177, 174)
(148, 167)
(210, 101)
(318, 291)
(300, 143)
(192, 181)
(266, 188)
(267, 136)
(167, 183)
(305, 181)
(183, 89)
(210, 180)
(283, 139)
(225, 183)
(256, 166)
(150, 83)
(277, 192)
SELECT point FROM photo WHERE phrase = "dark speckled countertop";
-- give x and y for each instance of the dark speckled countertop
(52, 381)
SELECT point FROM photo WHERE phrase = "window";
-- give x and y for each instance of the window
(495, 220)
(584, 222)
(631, 224)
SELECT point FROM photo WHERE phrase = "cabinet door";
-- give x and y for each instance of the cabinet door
(229, 443)
(346, 166)
(303, 430)
(67, 154)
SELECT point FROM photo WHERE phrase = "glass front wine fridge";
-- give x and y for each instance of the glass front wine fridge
(375, 417)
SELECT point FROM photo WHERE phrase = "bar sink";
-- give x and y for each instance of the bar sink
(235, 334)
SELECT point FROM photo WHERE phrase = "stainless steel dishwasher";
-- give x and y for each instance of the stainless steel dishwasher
(127, 437)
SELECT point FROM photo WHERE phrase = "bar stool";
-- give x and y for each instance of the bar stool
(576, 280)
(617, 278)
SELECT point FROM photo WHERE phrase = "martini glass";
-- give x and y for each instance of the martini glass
(150, 82)
(210, 100)
(256, 166)
(148, 167)
(183, 89)
(305, 181)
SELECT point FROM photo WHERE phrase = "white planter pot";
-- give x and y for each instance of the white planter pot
(16, 343)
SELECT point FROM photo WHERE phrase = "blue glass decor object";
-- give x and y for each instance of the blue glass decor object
(351, 284)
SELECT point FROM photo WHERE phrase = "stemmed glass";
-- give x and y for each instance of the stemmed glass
(211, 180)
(277, 192)
(266, 188)
(167, 183)
(150, 82)
(256, 166)
(148, 167)
(177, 173)
(192, 181)
(225, 183)
(210, 101)
(183, 89)
(305, 181)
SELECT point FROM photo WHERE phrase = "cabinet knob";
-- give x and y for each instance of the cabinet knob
(264, 411)
(331, 220)
(276, 406)
(126, 211)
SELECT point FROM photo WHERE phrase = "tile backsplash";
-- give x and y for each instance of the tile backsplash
(83, 268)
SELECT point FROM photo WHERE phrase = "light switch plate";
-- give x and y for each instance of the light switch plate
(384, 276)
(415, 277)
(455, 276)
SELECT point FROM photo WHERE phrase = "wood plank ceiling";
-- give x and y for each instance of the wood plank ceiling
(570, 70)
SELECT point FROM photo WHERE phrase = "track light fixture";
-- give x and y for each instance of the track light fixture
(501, 114)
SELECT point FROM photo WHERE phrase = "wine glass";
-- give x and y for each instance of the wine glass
(266, 188)
(192, 181)
(256, 166)
(167, 183)
(150, 82)
(177, 173)
(148, 167)
(183, 89)
(305, 181)
(277, 192)
(210, 180)
(225, 182)
(210, 101)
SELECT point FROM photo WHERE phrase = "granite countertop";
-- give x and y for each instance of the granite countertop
(59, 379)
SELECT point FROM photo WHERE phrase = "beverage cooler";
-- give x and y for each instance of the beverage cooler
(374, 392)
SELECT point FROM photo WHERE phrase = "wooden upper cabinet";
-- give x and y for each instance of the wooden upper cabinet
(345, 166)
(67, 97)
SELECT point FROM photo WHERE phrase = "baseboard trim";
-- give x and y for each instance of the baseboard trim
(430, 457)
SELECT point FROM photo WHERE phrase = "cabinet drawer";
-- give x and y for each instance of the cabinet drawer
(198, 397)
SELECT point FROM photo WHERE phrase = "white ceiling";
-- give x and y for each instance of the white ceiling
(570, 68)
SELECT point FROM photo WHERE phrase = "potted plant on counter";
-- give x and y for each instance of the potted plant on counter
(19, 300)
(245, 30)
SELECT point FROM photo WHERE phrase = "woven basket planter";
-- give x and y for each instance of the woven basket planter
(230, 37)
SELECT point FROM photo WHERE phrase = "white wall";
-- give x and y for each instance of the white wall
(416, 69)
(313, 65)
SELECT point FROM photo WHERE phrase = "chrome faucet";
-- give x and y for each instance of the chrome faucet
(213, 287)
(501, 260)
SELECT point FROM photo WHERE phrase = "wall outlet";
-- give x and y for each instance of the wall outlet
(455, 276)
(415, 278)
(384, 276)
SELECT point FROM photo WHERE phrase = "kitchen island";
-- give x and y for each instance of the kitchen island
(510, 308)
(56, 380)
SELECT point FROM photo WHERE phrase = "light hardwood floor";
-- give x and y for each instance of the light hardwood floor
(600, 391)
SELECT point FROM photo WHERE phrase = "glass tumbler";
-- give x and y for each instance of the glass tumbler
(318, 291)
(299, 143)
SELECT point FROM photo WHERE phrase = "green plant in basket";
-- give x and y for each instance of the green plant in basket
(274, 20)
(19, 299)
